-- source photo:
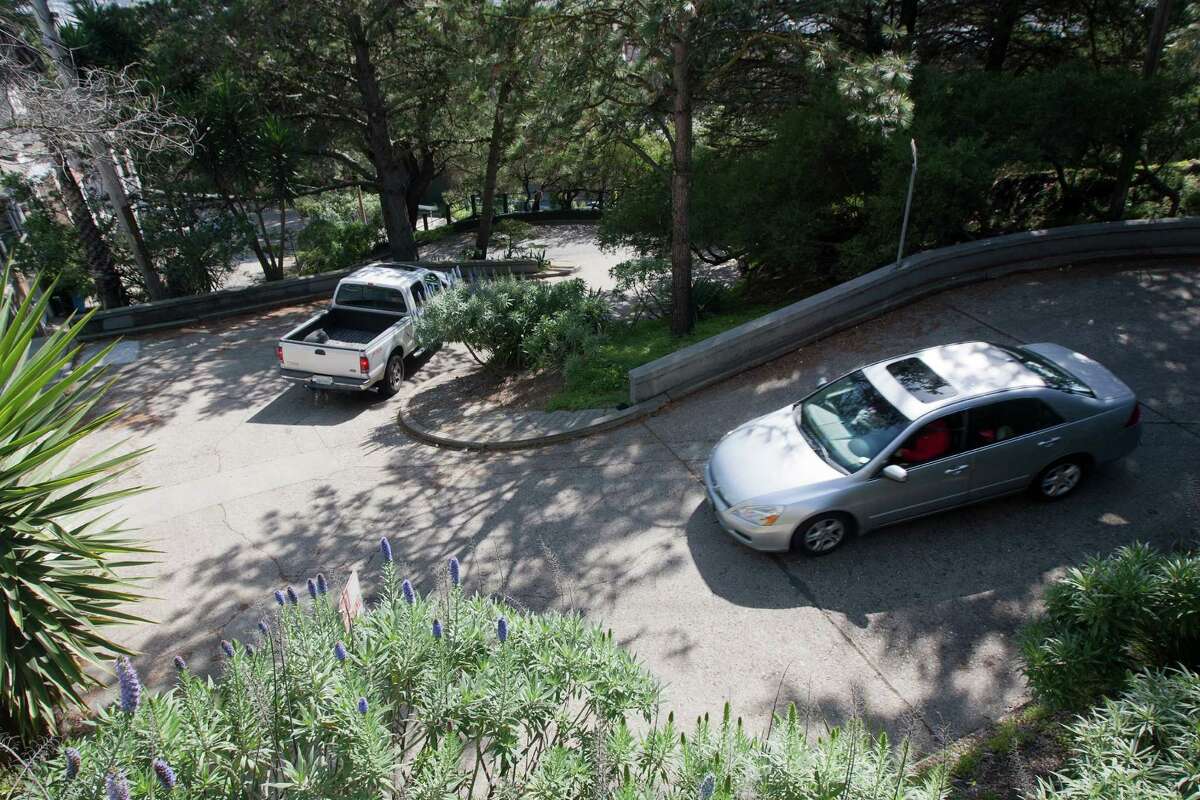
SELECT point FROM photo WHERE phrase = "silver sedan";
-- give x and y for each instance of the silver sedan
(919, 434)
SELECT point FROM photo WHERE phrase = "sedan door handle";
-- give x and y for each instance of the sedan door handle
(1053, 440)
(958, 469)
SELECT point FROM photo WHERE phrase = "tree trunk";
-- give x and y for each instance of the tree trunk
(908, 21)
(390, 172)
(421, 172)
(1002, 25)
(681, 178)
(1132, 143)
(495, 146)
(99, 257)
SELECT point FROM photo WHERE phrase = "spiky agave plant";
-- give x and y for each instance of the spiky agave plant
(59, 556)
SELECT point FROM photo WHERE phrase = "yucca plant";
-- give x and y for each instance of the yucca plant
(58, 553)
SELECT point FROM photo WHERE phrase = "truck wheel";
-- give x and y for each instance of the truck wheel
(393, 376)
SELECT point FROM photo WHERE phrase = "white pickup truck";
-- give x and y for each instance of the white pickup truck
(362, 341)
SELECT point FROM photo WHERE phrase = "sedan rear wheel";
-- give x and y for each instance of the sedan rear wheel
(822, 535)
(1059, 479)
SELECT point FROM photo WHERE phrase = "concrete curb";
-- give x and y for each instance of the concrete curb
(614, 420)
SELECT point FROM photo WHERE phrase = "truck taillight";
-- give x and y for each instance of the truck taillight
(279, 352)
(1135, 417)
(364, 364)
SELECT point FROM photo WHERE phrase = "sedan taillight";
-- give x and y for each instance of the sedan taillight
(1136, 416)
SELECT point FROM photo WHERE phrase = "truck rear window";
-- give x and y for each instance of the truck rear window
(359, 295)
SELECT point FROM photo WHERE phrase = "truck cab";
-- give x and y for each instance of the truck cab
(363, 339)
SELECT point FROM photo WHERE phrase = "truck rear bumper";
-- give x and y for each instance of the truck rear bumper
(335, 382)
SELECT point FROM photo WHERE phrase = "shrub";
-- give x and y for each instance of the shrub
(1134, 609)
(51, 248)
(326, 245)
(57, 560)
(450, 696)
(430, 695)
(515, 323)
(647, 284)
(1143, 745)
(195, 248)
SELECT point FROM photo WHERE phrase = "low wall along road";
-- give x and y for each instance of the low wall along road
(870, 295)
(196, 308)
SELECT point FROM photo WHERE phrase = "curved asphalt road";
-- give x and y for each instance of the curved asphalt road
(258, 486)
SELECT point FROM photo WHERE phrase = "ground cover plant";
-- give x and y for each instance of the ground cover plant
(1143, 744)
(1134, 609)
(601, 378)
(446, 695)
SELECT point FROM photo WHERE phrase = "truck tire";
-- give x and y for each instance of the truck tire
(393, 375)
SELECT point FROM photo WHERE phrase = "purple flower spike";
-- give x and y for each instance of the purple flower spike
(707, 786)
(291, 596)
(180, 664)
(437, 629)
(312, 588)
(322, 586)
(362, 705)
(502, 630)
(406, 589)
(339, 652)
(455, 570)
(116, 786)
(131, 686)
(279, 597)
(74, 760)
(227, 648)
(385, 547)
(264, 628)
(166, 775)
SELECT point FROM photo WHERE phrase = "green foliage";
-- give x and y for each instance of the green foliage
(431, 700)
(324, 246)
(444, 711)
(1144, 745)
(646, 283)
(335, 237)
(515, 323)
(601, 378)
(51, 249)
(1134, 609)
(58, 557)
(195, 248)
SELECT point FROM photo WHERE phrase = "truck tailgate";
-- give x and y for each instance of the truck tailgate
(320, 359)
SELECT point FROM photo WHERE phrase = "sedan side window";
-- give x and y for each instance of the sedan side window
(941, 438)
(1009, 419)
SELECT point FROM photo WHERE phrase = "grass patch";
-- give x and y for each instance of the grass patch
(982, 766)
(602, 381)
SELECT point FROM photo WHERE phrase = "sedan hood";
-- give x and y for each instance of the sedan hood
(764, 456)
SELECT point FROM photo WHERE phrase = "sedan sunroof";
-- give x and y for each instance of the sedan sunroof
(920, 381)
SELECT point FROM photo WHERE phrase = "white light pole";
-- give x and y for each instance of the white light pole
(907, 204)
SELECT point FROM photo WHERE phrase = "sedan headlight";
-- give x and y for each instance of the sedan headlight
(762, 516)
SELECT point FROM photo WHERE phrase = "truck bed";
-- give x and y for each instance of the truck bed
(344, 328)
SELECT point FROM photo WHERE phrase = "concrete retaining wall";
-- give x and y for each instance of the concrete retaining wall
(875, 293)
(189, 310)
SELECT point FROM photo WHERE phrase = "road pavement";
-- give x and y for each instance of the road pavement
(258, 485)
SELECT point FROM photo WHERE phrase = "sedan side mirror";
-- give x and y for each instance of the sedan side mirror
(896, 473)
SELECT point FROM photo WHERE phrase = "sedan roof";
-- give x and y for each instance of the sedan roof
(920, 382)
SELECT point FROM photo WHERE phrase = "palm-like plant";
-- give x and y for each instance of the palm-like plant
(57, 557)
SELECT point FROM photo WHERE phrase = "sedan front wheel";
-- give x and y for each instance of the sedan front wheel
(821, 535)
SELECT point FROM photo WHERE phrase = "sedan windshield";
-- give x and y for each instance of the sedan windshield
(849, 422)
